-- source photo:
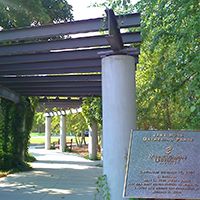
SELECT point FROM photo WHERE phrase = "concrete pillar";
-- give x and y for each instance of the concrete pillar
(47, 132)
(119, 117)
(93, 140)
(62, 133)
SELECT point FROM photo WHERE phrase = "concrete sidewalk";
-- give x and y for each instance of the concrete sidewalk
(55, 176)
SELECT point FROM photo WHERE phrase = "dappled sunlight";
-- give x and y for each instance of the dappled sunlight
(54, 191)
(56, 155)
(58, 166)
(55, 176)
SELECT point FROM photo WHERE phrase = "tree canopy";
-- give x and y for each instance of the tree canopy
(20, 13)
(168, 76)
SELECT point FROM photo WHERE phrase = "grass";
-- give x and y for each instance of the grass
(37, 134)
(39, 138)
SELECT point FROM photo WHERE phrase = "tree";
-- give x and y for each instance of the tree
(20, 13)
(92, 111)
(168, 71)
(76, 125)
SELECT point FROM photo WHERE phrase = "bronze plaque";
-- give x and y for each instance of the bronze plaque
(163, 165)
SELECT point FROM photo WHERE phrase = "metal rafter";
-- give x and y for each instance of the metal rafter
(51, 65)
(9, 94)
(63, 94)
(50, 79)
(56, 56)
(83, 42)
(82, 26)
(53, 85)
(74, 89)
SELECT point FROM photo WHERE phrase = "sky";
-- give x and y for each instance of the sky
(81, 9)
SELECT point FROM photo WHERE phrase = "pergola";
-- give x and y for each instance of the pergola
(62, 59)
(62, 63)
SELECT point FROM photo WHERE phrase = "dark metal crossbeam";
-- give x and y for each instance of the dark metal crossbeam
(93, 41)
(82, 26)
(62, 94)
(51, 65)
(63, 70)
(50, 79)
(75, 89)
(55, 56)
(9, 94)
(66, 85)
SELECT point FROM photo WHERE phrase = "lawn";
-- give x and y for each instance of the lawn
(39, 138)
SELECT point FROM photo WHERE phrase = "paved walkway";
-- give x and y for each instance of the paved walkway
(55, 176)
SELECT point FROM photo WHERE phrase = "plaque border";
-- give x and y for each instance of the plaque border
(128, 161)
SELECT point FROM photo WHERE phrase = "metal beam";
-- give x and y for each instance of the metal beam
(51, 65)
(62, 94)
(82, 26)
(80, 84)
(76, 89)
(50, 79)
(56, 56)
(93, 41)
(53, 71)
(9, 94)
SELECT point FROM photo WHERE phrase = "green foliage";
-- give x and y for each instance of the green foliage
(119, 6)
(39, 122)
(102, 189)
(92, 109)
(168, 76)
(77, 125)
(20, 13)
(15, 125)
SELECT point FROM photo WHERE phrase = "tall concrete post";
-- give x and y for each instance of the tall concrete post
(119, 117)
(93, 140)
(62, 133)
(47, 132)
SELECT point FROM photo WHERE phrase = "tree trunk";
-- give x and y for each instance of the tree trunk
(93, 140)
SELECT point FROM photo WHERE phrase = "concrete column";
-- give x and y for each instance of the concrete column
(47, 132)
(62, 133)
(119, 117)
(93, 140)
